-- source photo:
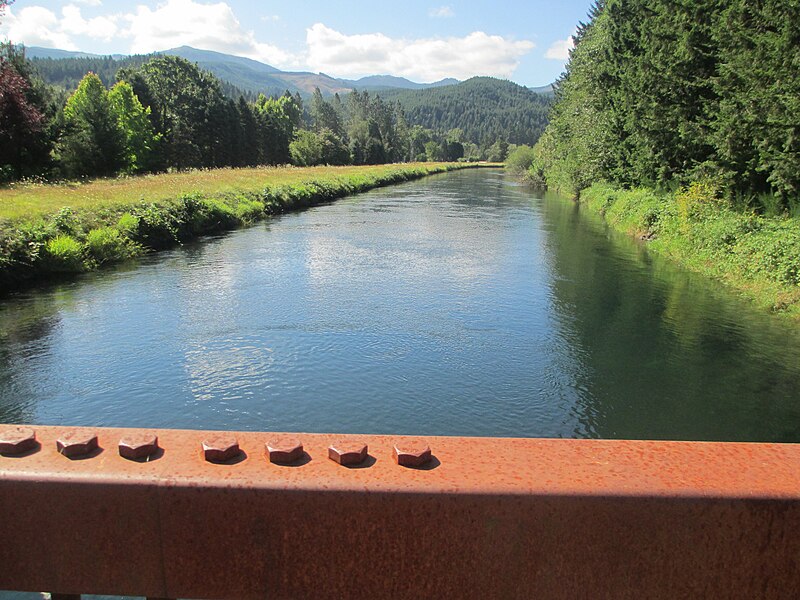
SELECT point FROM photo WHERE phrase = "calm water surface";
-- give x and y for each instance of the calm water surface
(462, 304)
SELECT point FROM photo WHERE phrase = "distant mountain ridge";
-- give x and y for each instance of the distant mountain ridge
(251, 75)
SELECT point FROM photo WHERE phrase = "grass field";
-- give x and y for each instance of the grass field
(28, 200)
(71, 227)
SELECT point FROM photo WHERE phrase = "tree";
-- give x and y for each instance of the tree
(334, 152)
(324, 115)
(433, 151)
(187, 107)
(94, 142)
(757, 131)
(27, 110)
(20, 121)
(306, 148)
(251, 144)
(278, 119)
(498, 151)
(134, 122)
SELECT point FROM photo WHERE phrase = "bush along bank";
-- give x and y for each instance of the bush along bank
(73, 241)
(756, 254)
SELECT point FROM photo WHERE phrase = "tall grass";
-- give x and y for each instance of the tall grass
(72, 227)
(756, 253)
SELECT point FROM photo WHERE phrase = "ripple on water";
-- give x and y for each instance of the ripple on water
(460, 304)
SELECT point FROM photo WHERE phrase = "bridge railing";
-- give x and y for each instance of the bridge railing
(197, 514)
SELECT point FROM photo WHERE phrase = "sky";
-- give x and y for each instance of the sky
(525, 41)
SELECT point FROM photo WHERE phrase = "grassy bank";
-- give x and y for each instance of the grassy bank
(757, 255)
(69, 228)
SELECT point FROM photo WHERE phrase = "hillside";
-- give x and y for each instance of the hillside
(65, 69)
(383, 82)
(483, 107)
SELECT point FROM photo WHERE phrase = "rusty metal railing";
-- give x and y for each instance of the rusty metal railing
(194, 514)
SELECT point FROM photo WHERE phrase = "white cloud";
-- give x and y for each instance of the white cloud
(478, 53)
(205, 26)
(35, 26)
(73, 23)
(441, 12)
(560, 49)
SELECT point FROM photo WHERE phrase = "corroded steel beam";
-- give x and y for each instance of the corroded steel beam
(249, 515)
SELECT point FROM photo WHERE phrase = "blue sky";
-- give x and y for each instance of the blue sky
(423, 40)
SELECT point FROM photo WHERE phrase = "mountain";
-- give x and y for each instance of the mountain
(244, 73)
(383, 82)
(66, 68)
(484, 108)
(218, 58)
(545, 89)
(53, 53)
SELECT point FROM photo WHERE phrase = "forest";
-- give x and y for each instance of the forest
(663, 93)
(678, 121)
(485, 109)
(159, 112)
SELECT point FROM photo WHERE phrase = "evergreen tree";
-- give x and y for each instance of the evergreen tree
(188, 108)
(757, 131)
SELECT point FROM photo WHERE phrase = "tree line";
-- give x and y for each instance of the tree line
(662, 93)
(166, 113)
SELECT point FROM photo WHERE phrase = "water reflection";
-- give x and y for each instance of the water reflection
(461, 304)
(667, 354)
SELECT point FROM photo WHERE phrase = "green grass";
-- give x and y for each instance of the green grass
(755, 254)
(72, 227)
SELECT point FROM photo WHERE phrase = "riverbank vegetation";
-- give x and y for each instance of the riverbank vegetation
(679, 124)
(163, 113)
(47, 229)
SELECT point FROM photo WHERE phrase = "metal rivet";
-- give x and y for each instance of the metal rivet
(134, 446)
(284, 450)
(411, 453)
(76, 443)
(348, 453)
(220, 448)
(17, 440)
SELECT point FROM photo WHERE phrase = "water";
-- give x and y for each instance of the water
(461, 304)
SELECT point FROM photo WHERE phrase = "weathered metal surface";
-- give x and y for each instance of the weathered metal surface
(138, 445)
(348, 453)
(17, 440)
(285, 450)
(220, 447)
(77, 442)
(485, 518)
(412, 453)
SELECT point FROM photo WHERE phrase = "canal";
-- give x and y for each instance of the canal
(461, 304)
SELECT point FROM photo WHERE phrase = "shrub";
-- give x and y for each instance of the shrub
(128, 224)
(519, 160)
(157, 227)
(64, 253)
(107, 244)
(694, 201)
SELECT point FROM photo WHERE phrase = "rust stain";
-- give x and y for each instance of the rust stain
(284, 450)
(220, 447)
(138, 445)
(77, 442)
(412, 453)
(510, 518)
(17, 440)
(348, 452)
